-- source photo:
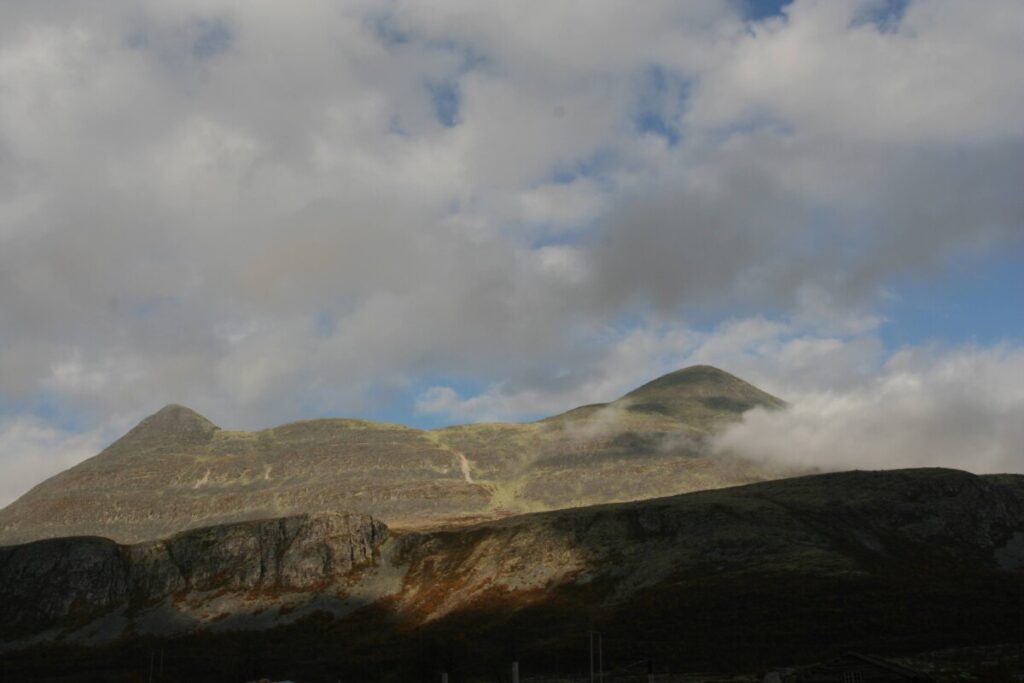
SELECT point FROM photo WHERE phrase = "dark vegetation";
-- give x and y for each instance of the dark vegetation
(728, 624)
(769, 574)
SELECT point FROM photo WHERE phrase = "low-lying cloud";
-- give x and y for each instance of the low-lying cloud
(959, 409)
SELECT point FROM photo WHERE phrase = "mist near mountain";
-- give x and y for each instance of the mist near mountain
(955, 410)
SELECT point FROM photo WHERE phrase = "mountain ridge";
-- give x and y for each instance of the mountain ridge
(178, 470)
(691, 375)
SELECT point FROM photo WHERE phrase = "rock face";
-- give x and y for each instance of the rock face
(835, 526)
(841, 524)
(70, 580)
(177, 471)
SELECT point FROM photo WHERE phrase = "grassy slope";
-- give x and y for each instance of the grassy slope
(176, 470)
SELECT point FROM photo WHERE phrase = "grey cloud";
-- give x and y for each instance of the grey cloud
(702, 246)
(755, 237)
(175, 225)
(212, 38)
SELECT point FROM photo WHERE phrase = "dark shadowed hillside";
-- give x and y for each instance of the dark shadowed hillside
(769, 573)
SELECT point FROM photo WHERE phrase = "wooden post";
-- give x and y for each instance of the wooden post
(444, 677)
(600, 658)
(650, 671)
(591, 634)
(515, 672)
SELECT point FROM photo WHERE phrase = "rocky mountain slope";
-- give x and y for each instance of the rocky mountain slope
(67, 580)
(177, 471)
(799, 544)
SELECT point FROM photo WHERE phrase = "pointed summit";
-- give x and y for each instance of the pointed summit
(172, 423)
(698, 394)
(698, 380)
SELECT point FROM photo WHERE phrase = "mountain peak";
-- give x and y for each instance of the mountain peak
(173, 421)
(698, 391)
(694, 376)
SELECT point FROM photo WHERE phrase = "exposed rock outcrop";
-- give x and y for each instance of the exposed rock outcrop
(68, 581)
(788, 570)
(829, 527)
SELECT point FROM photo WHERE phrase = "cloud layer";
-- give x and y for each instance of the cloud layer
(956, 409)
(273, 212)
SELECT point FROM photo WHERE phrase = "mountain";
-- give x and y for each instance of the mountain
(176, 470)
(700, 396)
(773, 572)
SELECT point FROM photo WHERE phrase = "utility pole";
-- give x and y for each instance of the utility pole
(515, 666)
(600, 658)
(650, 671)
(591, 634)
(152, 658)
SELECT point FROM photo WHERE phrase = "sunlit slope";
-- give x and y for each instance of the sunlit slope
(176, 470)
(169, 474)
(651, 442)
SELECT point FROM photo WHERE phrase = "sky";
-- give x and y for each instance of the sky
(464, 210)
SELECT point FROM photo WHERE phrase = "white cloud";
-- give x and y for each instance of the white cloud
(32, 450)
(956, 408)
(826, 70)
(561, 206)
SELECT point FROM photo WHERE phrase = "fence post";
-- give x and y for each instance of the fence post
(591, 634)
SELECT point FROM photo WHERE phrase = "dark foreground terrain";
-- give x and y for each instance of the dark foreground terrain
(701, 626)
(735, 580)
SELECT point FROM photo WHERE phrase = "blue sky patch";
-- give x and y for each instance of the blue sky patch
(213, 36)
(978, 302)
(758, 10)
(594, 167)
(385, 27)
(661, 104)
(324, 325)
(445, 98)
(886, 15)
